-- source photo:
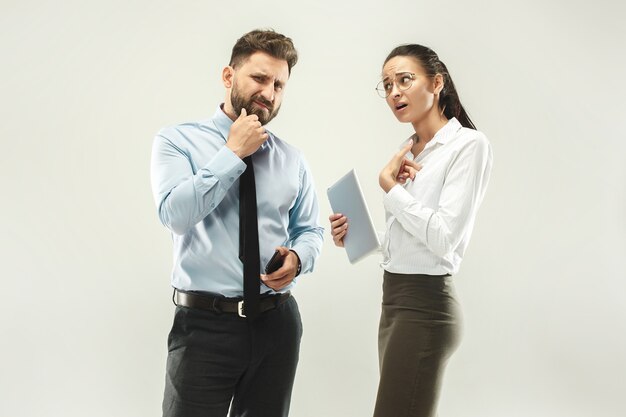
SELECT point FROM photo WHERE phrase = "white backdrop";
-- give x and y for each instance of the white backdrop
(86, 305)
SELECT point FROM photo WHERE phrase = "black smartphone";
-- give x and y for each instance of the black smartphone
(274, 263)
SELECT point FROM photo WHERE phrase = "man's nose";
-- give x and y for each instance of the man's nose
(268, 92)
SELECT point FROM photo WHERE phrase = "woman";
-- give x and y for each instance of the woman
(433, 188)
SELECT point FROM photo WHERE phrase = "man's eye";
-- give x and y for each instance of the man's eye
(387, 86)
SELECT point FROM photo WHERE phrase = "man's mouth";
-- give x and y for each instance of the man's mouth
(262, 105)
(401, 106)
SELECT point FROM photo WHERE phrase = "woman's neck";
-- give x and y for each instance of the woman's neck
(426, 128)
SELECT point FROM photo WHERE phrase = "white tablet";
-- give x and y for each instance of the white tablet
(346, 197)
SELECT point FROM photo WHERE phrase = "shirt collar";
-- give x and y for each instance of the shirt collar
(223, 123)
(443, 135)
(446, 133)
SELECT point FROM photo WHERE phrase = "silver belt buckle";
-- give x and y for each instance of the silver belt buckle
(240, 309)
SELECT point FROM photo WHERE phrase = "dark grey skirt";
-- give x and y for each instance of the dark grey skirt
(420, 328)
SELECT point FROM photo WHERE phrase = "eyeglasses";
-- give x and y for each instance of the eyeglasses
(403, 80)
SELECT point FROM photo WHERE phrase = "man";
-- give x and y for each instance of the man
(232, 193)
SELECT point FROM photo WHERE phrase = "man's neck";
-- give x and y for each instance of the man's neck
(228, 110)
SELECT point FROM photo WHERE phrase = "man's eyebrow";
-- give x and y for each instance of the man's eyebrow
(264, 76)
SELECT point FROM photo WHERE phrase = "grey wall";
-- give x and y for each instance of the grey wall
(86, 306)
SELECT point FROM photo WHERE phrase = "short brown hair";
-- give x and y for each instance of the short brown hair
(264, 40)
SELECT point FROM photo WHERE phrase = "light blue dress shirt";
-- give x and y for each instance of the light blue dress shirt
(195, 183)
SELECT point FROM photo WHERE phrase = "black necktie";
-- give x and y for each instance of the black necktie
(249, 241)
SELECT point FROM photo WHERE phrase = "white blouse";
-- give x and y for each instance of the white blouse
(430, 219)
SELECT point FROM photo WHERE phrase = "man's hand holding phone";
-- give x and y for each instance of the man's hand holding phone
(281, 269)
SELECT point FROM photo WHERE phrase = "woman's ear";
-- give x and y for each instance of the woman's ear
(438, 83)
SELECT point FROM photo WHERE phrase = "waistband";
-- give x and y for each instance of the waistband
(220, 304)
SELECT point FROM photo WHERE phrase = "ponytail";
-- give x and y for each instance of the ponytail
(450, 103)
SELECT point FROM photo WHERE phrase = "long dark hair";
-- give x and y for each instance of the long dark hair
(449, 101)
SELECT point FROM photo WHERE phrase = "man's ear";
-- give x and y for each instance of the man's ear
(438, 83)
(227, 76)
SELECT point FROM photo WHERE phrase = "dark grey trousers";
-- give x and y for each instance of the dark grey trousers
(215, 358)
(420, 328)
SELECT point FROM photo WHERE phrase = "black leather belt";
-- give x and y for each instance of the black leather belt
(219, 304)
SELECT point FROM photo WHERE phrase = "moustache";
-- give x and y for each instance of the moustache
(264, 102)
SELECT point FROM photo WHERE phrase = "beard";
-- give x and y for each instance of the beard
(239, 102)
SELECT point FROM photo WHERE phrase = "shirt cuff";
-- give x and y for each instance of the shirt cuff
(306, 256)
(225, 166)
(299, 269)
(397, 200)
